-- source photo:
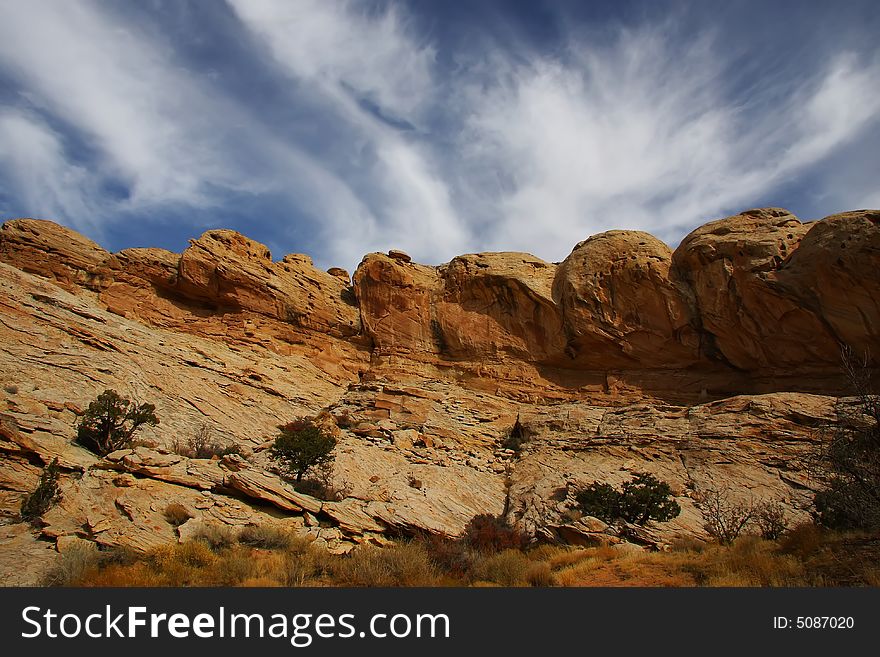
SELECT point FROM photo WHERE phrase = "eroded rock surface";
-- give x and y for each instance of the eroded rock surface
(713, 365)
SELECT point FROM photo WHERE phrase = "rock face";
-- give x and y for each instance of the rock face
(731, 266)
(712, 365)
(622, 310)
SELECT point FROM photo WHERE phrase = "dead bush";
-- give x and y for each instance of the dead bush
(266, 537)
(489, 533)
(724, 518)
(176, 514)
(215, 537)
(771, 520)
(203, 445)
(402, 564)
(73, 565)
(507, 568)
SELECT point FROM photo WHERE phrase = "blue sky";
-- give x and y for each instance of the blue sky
(440, 128)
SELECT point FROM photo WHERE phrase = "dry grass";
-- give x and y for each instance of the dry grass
(404, 564)
(75, 564)
(176, 514)
(266, 537)
(805, 556)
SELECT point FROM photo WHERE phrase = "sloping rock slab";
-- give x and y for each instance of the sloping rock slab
(271, 489)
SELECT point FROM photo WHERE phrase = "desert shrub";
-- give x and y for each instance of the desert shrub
(455, 557)
(489, 533)
(600, 500)
(642, 498)
(507, 568)
(320, 484)
(770, 519)
(235, 566)
(304, 564)
(111, 421)
(44, 495)
(215, 537)
(73, 565)
(802, 540)
(849, 460)
(540, 574)
(203, 445)
(266, 537)
(176, 514)
(182, 564)
(401, 564)
(724, 518)
(517, 437)
(300, 446)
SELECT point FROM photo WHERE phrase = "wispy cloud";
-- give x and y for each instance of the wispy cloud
(33, 163)
(369, 68)
(379, 137)
(647, 134)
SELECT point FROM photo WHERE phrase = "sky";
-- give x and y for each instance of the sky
(339, 128)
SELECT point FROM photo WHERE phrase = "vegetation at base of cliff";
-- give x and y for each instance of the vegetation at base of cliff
(642, 498)
(805, 556)
(111, 421)
(44, 495)
(849, 460)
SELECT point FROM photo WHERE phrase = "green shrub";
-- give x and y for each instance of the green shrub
(600, 500)
(301, 446)
(642, 498)
(45, 494)
(111, 421)
(645, 498)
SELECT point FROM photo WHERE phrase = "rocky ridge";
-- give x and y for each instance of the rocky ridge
(715, 363)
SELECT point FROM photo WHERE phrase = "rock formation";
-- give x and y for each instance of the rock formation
(711, 365)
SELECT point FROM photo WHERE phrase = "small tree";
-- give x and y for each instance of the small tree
(111, 421)
(300, 446)
(600, 500)
(645, 498)
(849, 460)
(642, 498)
(45, 494)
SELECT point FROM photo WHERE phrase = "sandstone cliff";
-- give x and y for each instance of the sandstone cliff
(715, 362)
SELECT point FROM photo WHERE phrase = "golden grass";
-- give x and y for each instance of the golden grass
(804, 557)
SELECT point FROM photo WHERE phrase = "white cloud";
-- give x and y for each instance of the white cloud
(147, 120)
(643, 134)
(537, 150)
(346, 56)
(340, 46)
(32, 159)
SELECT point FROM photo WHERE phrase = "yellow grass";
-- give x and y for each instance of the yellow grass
(805, 557)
